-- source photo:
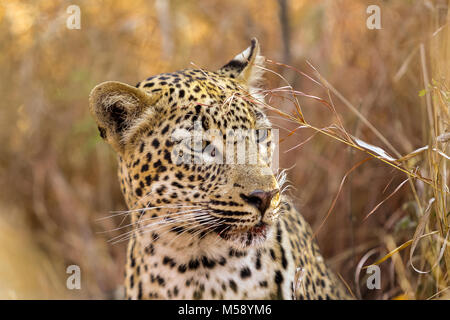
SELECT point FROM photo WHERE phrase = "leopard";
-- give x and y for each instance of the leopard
(201, 227)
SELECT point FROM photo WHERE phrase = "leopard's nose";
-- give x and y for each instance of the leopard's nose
(260, 199)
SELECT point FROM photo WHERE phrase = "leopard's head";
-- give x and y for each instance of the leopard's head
(195, 151)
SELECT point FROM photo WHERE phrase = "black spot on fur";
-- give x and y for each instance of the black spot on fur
(245, 273)
(131, 281)
(166, 128)
(208, 263)
(193, 264)
(169, 261)
(155, 143)
(138, 192)
(258, 260)
(182, 268)
(233, 286)
(140, 291)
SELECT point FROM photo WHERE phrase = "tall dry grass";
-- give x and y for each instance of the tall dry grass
(423, 272)
(388, 88)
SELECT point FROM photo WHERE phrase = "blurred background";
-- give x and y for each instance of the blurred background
(57, 177)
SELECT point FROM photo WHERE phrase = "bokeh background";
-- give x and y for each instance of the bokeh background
(57, 177)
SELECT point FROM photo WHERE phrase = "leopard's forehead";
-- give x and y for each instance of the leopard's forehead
(224, 98)
(190, 84)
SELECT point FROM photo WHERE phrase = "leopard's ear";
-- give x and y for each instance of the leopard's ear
(246, 66)
(117, 107)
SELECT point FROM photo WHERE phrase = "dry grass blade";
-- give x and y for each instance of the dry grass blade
(295, 69)
(359, 267)
(419, 231)
(346, 285)
(360, 145)
(438, 293)
(354, 110)
(385, 199)
(302, 143)
(400, 269)
(421, 150)
(398, 249)
(338, 193)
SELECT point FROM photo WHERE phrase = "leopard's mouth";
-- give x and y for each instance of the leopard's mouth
(244, 237)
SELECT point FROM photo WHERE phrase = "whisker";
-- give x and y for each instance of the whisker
(132, 233)
(218, 235)
(289, 186)
(169, 215)
(162, 223)
(211, 228)
(191, 217)
(119, 213)
(198, 232)
(193, 228)
(205, 218)
(159, 224)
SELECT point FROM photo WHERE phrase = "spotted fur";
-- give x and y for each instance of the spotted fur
(205, 231)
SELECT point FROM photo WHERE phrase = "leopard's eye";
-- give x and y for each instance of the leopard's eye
(199, 148)
(205, 145)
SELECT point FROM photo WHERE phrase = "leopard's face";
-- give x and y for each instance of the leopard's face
(195, 152)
